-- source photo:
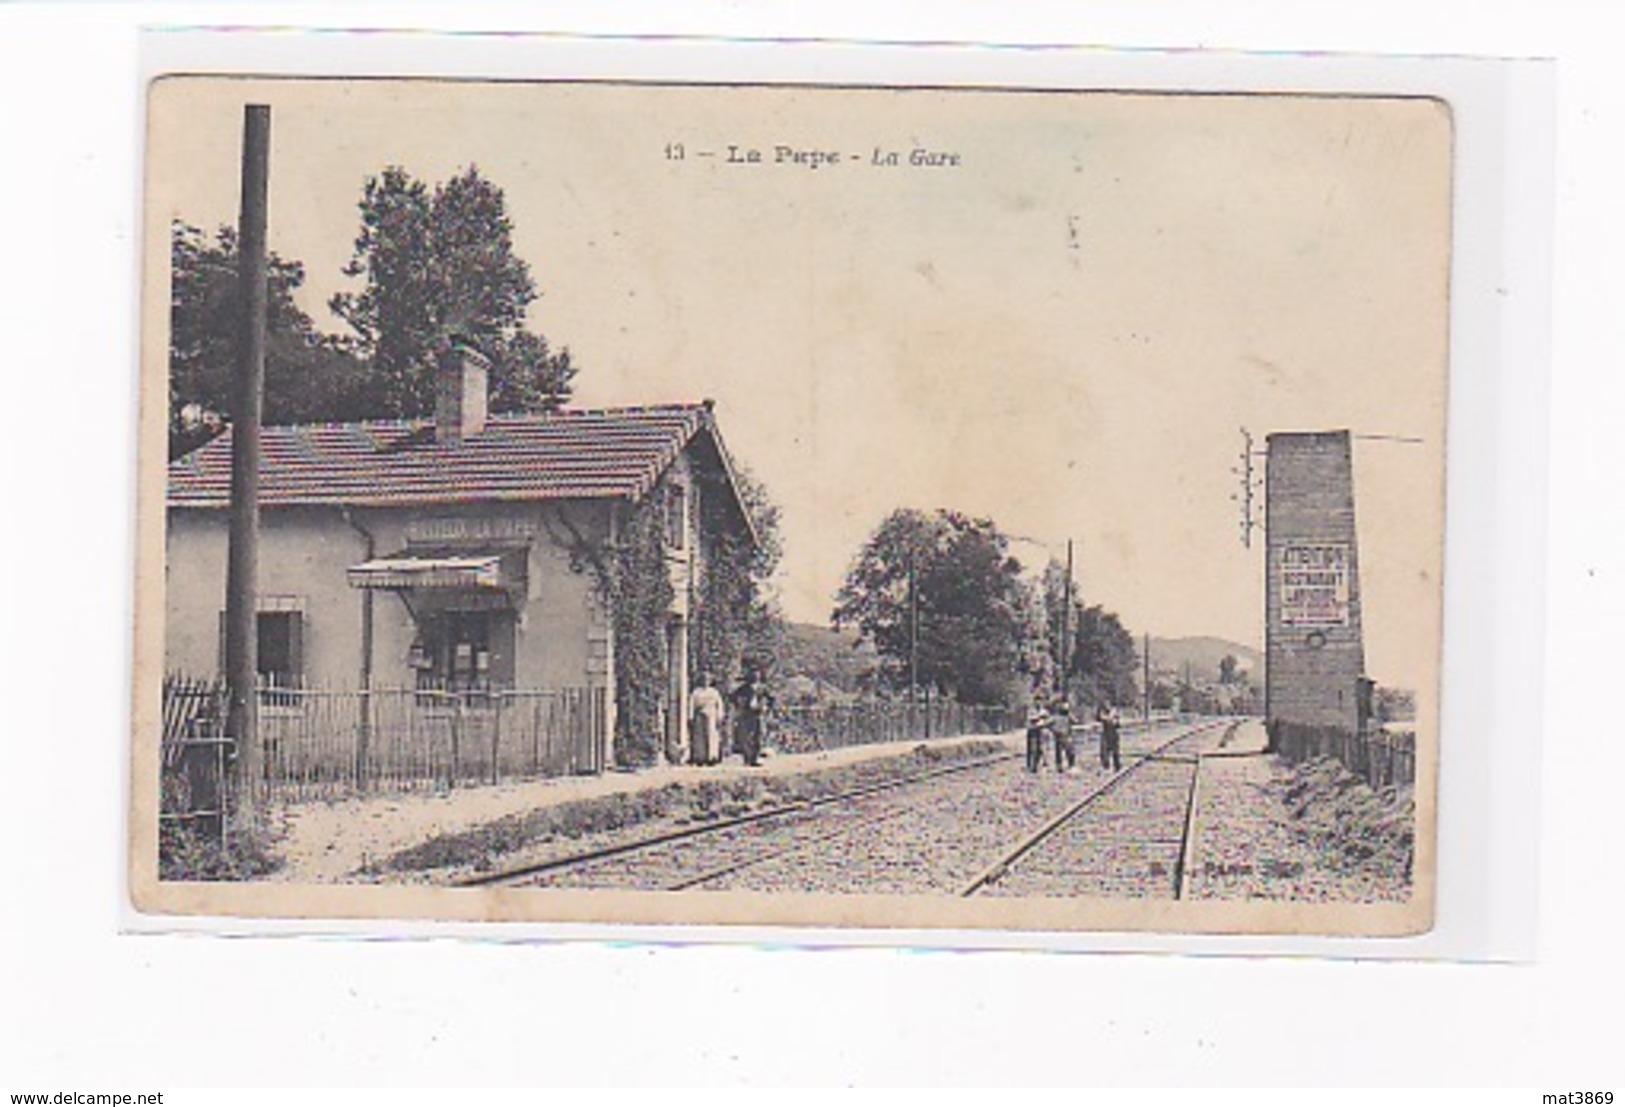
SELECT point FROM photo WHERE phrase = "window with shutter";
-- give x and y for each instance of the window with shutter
(279, 647)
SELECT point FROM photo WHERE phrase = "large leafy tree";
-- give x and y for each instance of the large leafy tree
(437, 265)
(1099, 653)
(307, 375)
(526, 375)
(940, 596)
(1104, 660)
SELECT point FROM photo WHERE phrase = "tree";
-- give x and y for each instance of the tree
(396, 316)
(439, 265)
(1163, 696)
(1101, 661)
(941, 598)
(528, 376)
(307, 375)
(1227, 668)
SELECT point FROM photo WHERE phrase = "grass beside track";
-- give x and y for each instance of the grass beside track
(486, 847)
(1349, 823)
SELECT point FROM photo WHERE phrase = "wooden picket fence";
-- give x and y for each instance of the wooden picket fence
(194, 755)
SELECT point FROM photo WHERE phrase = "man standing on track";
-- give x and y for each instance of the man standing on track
(1037, 724)
(1111, 737)
(1060, 721)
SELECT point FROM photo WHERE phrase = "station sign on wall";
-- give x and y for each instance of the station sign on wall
(1315, 585)
(470, 528)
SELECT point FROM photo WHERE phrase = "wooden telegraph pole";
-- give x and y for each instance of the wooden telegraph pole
(1146, 679)
(1066, 623)
(242, 565)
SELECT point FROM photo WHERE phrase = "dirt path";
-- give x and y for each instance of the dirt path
(1272, 831)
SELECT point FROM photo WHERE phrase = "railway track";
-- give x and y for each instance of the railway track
(1133, 836)
(966, 813)
(936, 853)
(553, 869)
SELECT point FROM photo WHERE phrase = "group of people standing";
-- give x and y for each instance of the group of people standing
(1051, 720)
(750, 703)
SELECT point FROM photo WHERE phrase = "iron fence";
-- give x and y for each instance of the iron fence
(324, 743)
(320, 743)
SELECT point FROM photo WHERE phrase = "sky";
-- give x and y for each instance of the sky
(1061, 321)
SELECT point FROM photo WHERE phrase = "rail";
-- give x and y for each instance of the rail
(996, 871)
(585, 857)
(566, 863)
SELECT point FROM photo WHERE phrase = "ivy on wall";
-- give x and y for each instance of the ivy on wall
(629, 574)
(735, 620)
(721, 630)
(640, 600)
(730, 620)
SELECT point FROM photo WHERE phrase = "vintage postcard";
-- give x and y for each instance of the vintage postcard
(792, 505)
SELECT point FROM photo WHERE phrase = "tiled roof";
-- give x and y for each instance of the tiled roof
(588, 454)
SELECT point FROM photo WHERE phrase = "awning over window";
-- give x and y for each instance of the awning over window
(470, 571)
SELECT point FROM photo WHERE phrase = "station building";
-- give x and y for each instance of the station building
(453, 553)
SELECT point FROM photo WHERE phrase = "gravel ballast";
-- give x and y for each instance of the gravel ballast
(1311, 832)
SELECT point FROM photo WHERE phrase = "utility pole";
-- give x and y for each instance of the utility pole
(1066, 622)
(1249, 486)
(1145, 709)
(242, 564)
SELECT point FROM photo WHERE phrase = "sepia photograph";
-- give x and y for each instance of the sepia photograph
(807, 505)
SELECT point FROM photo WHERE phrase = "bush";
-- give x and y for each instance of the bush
(186, 852)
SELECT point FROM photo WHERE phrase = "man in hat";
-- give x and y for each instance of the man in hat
(751, 704)
(1037, 724)
(1060, 722)
(1111, 736)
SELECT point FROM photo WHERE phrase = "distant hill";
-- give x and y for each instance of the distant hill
(832, 658)
(1203, 654)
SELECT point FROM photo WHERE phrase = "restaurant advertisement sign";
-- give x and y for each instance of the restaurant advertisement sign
(1315, 585)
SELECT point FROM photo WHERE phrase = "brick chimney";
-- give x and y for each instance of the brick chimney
(460, 396)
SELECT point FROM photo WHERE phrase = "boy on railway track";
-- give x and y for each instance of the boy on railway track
(1037, 725)
(1060, 721)
(1111, 740)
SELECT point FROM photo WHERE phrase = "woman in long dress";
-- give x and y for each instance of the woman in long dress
(706, 724)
